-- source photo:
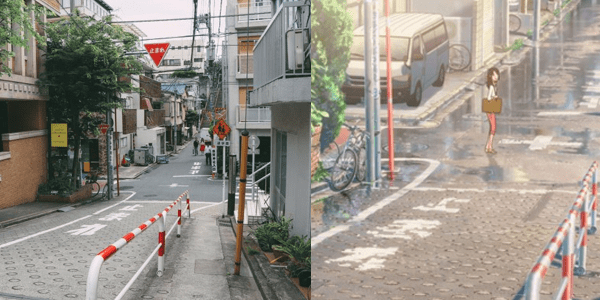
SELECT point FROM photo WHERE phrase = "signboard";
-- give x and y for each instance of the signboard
(59, 135)
(157, 51)
(213, 159)
(253, 142)
(221, 129)
(103, 128)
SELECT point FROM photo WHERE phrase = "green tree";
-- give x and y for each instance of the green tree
(15, 14)
(84, 62)
(331, 35)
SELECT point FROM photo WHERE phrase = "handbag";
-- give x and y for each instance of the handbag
(492, 106)
(202, 148)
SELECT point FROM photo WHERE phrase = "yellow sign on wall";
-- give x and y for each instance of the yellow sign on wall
(59, 135)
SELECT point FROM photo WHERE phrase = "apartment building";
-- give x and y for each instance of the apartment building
(23, 125)
(282, 83)
(243, 32)
(92, 8)
(179, 57)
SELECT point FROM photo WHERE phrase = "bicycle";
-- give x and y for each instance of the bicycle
(351, 162)
(459, 57)
(92, 179)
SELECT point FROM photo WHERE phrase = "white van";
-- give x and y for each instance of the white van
(419, 45)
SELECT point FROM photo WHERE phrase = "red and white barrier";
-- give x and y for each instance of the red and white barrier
(565, 236)
(94, 273)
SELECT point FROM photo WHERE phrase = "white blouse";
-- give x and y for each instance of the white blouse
(492, 92)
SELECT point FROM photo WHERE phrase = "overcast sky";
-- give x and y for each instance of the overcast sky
(131, 10)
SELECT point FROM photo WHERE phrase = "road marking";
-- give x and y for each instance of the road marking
(400, 229)
(442, 206)
(167, 201)
(175, 185)
(87, 229)
(591, 103)
(433, 164)
(559, 113)
(114, 216)
(179, 176)
(540, 142)
(201, 208)
(434, 189)
(373, 257)
(43, 232)
(100, 211)
(131, 207)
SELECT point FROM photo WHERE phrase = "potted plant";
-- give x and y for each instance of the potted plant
(61, 189)
(304, 274)
(316, 119)
(272, 233)
(297, 248)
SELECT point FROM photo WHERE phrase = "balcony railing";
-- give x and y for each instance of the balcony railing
(253, 114)
(129, 121)
(259, 11)
(154, 118)
(244, 67)
(283, 50)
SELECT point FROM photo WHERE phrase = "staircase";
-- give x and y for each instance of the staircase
(254, 208)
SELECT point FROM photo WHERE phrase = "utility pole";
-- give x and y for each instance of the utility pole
(390, 99)
(109, 173)
(376, 141)
(536, 20)
(369, 90)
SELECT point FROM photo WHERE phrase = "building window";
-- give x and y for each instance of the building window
(124, 142)
(197, 60)
(185, 47)
(171, 62)
(179, 48)
(186, 63)
(199, 49)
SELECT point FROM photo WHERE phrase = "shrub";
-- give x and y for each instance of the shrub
(272, 233)
(296, 247)
(61, 184)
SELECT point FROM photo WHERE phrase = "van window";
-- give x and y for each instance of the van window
(429, 40)
(417, 54)
(399, 48)
(440, 34)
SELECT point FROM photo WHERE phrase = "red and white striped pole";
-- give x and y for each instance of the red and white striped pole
(188, 204)
(179, 218)
(580, 270)
(390, 103)
(593, 228)
(568, 253)
(161, 241)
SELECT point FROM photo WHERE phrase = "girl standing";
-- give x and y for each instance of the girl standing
(492, 83)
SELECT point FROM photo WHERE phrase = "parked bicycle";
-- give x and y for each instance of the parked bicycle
(92, 179)
(351, 162)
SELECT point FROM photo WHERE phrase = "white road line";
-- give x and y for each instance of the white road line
(540, 142)
(592, 102)
(100, 211)
(43, 232)
(540, 191)
(177, 176)
(201, 208)
(433, 164)
(167, 202)
(559, 113)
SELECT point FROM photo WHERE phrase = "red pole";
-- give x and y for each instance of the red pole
(390, 106)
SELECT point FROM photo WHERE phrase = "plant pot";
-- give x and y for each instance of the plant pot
(304, 278)
(315, 150)
(82, 193)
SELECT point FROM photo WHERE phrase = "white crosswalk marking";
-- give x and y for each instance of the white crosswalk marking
(114, 216)
(402, 228)
(86, 229)
(442, 206)
(540, 142)
(372, 257)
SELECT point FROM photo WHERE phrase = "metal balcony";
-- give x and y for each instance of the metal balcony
(259, 11)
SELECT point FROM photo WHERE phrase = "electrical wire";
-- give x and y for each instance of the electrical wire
(187, 19)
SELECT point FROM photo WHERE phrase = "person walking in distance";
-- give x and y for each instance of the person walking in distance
(492, 83)
(196, 146)
(202, 146)
(207, 155)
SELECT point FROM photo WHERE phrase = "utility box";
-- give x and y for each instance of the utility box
(139, 157)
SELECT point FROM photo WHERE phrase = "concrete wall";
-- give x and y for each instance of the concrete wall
(294, 119)
(146, 136)
(24, 171)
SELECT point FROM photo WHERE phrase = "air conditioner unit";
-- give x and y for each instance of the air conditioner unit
(459, 30)
(297, 40)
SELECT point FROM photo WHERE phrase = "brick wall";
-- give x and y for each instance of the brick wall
(24, 171)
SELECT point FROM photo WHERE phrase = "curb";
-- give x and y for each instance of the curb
(272, 283)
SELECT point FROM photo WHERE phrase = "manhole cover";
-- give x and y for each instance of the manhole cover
(151, 195)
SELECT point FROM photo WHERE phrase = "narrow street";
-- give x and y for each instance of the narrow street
(49, 257)
(459, 223)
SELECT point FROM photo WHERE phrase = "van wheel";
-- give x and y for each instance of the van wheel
(415, 99)
(441, 77)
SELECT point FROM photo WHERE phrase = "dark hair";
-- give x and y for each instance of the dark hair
(202, 140)
(491, 71)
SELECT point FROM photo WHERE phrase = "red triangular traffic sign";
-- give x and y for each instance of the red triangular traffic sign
(157, 51)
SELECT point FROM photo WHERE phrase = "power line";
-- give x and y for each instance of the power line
(187, 36)
(187, 19)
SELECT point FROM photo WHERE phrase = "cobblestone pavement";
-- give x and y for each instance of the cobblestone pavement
(49, 257)
(449, 244)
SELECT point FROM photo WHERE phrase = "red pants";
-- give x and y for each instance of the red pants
(492, 119)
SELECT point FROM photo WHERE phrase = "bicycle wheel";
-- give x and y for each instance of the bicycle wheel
(344, 170)
(459, 57)
(361, 174)
(95, 188)
(514, 23)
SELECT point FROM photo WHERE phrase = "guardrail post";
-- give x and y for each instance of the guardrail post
(568, 252)
(161, 241)
(188, 204)
(179, 218)
(580, 269)
(593, 228)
